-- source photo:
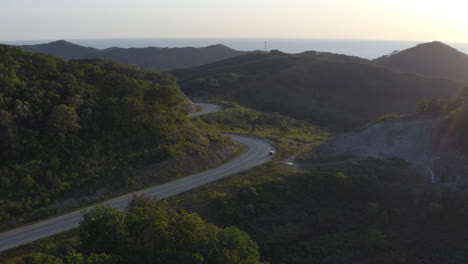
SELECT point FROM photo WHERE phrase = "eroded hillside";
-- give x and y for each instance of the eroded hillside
(422, 141)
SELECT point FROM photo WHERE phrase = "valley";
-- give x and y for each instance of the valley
(368, 161)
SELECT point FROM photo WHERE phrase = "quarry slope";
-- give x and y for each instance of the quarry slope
(418, 140)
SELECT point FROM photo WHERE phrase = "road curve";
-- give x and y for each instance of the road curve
(256, 152)
(206, 108)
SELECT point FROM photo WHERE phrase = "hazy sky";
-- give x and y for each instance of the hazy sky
(421, 20)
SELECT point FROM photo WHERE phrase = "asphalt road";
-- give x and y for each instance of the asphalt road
(256, 152)
(206, 108)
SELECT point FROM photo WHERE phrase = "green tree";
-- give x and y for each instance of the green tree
(40, 258)
(148, 232)
(102, 229)
(236, 247)
(8, 131)
(100, 259)
(63, 119)
(74, 259)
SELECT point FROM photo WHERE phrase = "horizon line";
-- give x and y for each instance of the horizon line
(259, 38)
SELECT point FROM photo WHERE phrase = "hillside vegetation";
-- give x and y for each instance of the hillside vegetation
(364, 211)
(457, 129)
(150, 58)
(434, 59)
(336, 91)
(450, 160)
(66, 126)
(374, 211)
(149, 232)
(291, 137)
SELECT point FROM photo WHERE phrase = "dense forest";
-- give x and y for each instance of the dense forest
(374, 211)
(331, 90)
(149, 58)
(150, 232)
(371, 211)
(81, 124)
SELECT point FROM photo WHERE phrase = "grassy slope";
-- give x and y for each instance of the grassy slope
(292, 137)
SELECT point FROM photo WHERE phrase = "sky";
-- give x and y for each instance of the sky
(416, 20)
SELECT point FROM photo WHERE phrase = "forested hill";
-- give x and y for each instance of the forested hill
(150, 58)
(163, 59)
(69, 125)
(433, 59)
(61, 48)
(337, 91)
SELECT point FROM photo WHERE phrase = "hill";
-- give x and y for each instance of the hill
(67, 127)
(340, 92)
(434, 59)
(163, 59)
(60, 48)
(150, 58)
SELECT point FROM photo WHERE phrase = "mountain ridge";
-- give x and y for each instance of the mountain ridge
(434, 59)
(148, 58)
(60, 48)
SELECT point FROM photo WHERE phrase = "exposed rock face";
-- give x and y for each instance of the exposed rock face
(419, 140)
(412, 140)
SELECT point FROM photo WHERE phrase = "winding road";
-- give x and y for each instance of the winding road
(206, 109)
(256, 153)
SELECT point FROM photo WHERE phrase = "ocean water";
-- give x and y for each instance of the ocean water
(369, 49)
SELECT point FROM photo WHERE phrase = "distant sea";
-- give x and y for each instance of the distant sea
(369, 49)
